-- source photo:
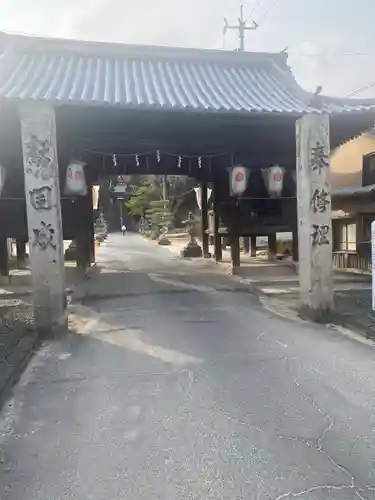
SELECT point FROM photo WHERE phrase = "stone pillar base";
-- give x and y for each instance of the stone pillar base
(191, 250)
(53, 331)
(235, 270)
(323, 316)
(164, 241)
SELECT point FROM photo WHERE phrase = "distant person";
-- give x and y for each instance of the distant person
(123, 229)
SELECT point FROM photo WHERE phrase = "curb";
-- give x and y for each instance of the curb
(19, 356)
(74, 293)
(337, 319)
(16, 364)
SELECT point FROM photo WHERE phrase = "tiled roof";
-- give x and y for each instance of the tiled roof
(353, 191)
(64, 72)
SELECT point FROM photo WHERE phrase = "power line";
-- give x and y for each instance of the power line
(267, 12)
(256, 4)
(361, 89)
(333, 54)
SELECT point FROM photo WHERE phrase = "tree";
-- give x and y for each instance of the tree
(159, 215)
(147, 196)
(140, 199)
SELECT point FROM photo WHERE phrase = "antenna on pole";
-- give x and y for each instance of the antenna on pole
(241, 27)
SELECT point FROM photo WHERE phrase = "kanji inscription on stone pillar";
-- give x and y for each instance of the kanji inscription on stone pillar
(42, 192)
(314, 214)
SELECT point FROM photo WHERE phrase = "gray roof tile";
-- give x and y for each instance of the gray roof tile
(65, 72)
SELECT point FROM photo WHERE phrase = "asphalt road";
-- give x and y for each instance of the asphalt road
(182, 386)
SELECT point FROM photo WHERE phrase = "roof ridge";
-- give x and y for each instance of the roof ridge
(31, 43)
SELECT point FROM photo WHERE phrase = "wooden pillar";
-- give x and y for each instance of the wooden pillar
(235, 251)
(253, 241)
(234, 238)
(92, 229)
(314, 215)
(83, 251)
(80, 251)
(295, 246)
(204, 221)
(84, 230)
(272, 247)
(217, 238)
(21, 253)
(92, 246)
(42, 193)
(4, 257)
(246, 245)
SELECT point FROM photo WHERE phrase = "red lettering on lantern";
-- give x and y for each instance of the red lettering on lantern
(240, 177)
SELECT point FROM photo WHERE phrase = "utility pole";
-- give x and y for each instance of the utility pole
(241, 28)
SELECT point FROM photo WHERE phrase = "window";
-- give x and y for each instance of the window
(367, 221)
(368, 170)
(347, 236)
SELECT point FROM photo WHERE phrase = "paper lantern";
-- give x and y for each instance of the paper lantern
(75, 181)
(274, 179)
(238, 180)
(95, 197)
(198, 194)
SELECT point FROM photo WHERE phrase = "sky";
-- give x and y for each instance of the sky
(330, 42)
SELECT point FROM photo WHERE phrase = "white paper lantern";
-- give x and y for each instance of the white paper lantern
(95, 196)
(75, 181)
(198, 194)
(238, 180)
(274, 179)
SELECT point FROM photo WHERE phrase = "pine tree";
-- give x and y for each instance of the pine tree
(159, 215)
(140, 199)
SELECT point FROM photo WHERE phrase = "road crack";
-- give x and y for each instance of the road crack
(327, 487)
(320, 448)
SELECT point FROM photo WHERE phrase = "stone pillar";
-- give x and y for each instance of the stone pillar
(204, 221)
(246, 245)
(21, 253)
(272, 250)
(253, 245)
(42, 193)
(314, 215)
